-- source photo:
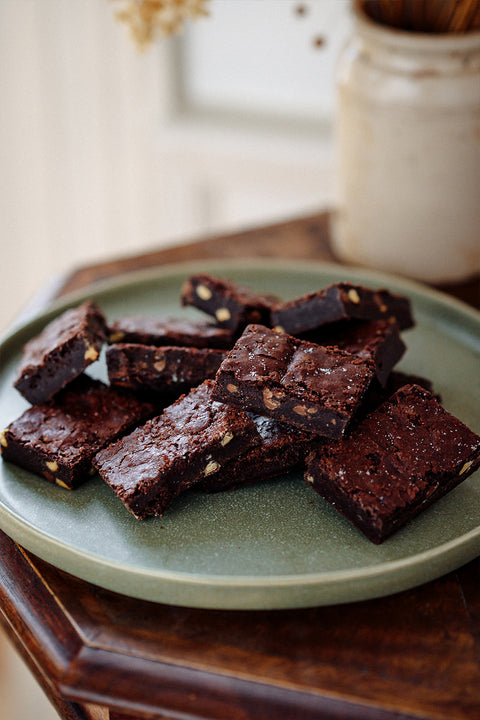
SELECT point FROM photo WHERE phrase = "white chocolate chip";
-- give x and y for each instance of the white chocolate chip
(232, 388)
(353, 296)
(91, 353)
(160, 362)
(203, 292)
(279, 329)
(212, 467)
(466, 467)
(3, 439)
(222, 314)
(61, 484)
(52, 465)
(226, 438)
(309, 478)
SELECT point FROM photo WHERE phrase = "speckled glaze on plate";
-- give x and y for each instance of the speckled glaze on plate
(276, 544)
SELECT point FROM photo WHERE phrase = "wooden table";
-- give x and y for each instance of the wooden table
(100, 655)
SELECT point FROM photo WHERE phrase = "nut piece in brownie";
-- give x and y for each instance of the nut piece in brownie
(378, 339)
(232, 305)
(188, 442)
(317, 389)
(181, 332)
(341, 301)
(162, 369)
(61, 352)
(282, 448)
(58, 439)
(399, 460)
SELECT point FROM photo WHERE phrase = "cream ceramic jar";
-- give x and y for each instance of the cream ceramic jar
(408, 153)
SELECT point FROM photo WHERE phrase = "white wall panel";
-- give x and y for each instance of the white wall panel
(98, 157)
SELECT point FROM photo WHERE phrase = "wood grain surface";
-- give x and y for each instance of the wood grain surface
(103, 656)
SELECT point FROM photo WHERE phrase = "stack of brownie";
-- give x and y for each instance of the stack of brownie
(263, 387)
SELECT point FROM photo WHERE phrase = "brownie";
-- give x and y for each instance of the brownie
(188, 442)
(282, 448)
(377, 339)
(399, 460)
(182, 332)
(58, 439)
(315, 388)
(232, 305)
(61, 352)
(162, 369)
(341, 301)
(378, 394)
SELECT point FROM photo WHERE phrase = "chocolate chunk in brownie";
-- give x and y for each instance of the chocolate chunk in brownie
(377, 339)
(181, 332)
(317, 389)
(399, 460)
(58, 439)
(188, 442)
(61, 352)
(161, 369)
(341, 301)
(232, 305)
(282, 448)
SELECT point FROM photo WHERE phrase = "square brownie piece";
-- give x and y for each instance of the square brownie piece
(377, 339)
(61, 352)
(281, 449)
(181, 332)
(161, 369)
(58, 439)
(399, 460)
(188, 442)
(317, 389)
(341, 301)
(232, 305)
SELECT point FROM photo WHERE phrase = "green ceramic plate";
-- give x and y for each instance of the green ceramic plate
(273, 545)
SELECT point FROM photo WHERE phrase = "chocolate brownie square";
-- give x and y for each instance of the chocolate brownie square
(317, 389)
(161, 369)
(399, 460)
(232, 305)
(341, 301)
(281, 448)
(58, 439)
(61, 352)
(377, 339)
(188, 442)
(147, 330)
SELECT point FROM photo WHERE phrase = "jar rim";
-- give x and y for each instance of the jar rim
(414, 41)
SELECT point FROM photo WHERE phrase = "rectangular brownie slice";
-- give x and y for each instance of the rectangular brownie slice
(377, 339)
(188, 442)
(341, 301)
(58, 439)
(182, 332)
(61, 352)
(282, 448)
(232, 305)
(162, 369)
(317, 389)
(399, 460)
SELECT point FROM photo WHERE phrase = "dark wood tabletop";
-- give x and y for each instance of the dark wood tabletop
(102, 656)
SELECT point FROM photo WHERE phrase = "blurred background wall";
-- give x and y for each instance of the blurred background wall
(108, 151)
